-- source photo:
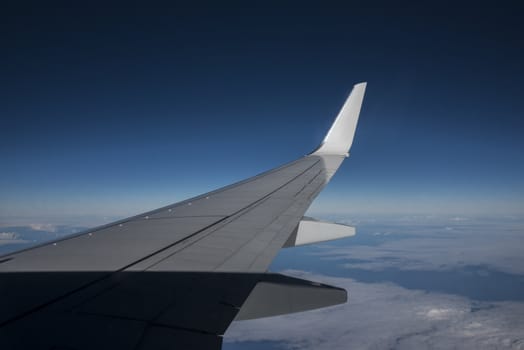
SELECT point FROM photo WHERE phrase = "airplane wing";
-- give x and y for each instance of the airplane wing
(176, 277)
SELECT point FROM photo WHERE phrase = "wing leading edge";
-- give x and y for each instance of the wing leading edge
(179, 275)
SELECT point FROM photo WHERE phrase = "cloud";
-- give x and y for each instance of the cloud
(440, 313)
(459, 218)
(43, 227)
(433, 245)
(8, 236)
(15, 237)
(380, 316)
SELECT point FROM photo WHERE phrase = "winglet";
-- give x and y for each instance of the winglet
(340, 136)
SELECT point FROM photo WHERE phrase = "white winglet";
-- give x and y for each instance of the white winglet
(340, 137)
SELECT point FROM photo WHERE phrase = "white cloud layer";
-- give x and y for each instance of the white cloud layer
(457, 242)
(386, 316)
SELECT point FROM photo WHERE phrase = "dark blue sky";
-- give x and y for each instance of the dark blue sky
(115, 110)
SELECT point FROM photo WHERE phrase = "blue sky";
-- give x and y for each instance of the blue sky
(109, 111)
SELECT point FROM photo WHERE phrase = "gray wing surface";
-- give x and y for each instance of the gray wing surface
(175, 277)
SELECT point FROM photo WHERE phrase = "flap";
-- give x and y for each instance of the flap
(279, 295)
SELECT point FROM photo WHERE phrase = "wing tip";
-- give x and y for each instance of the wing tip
(340, 136)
